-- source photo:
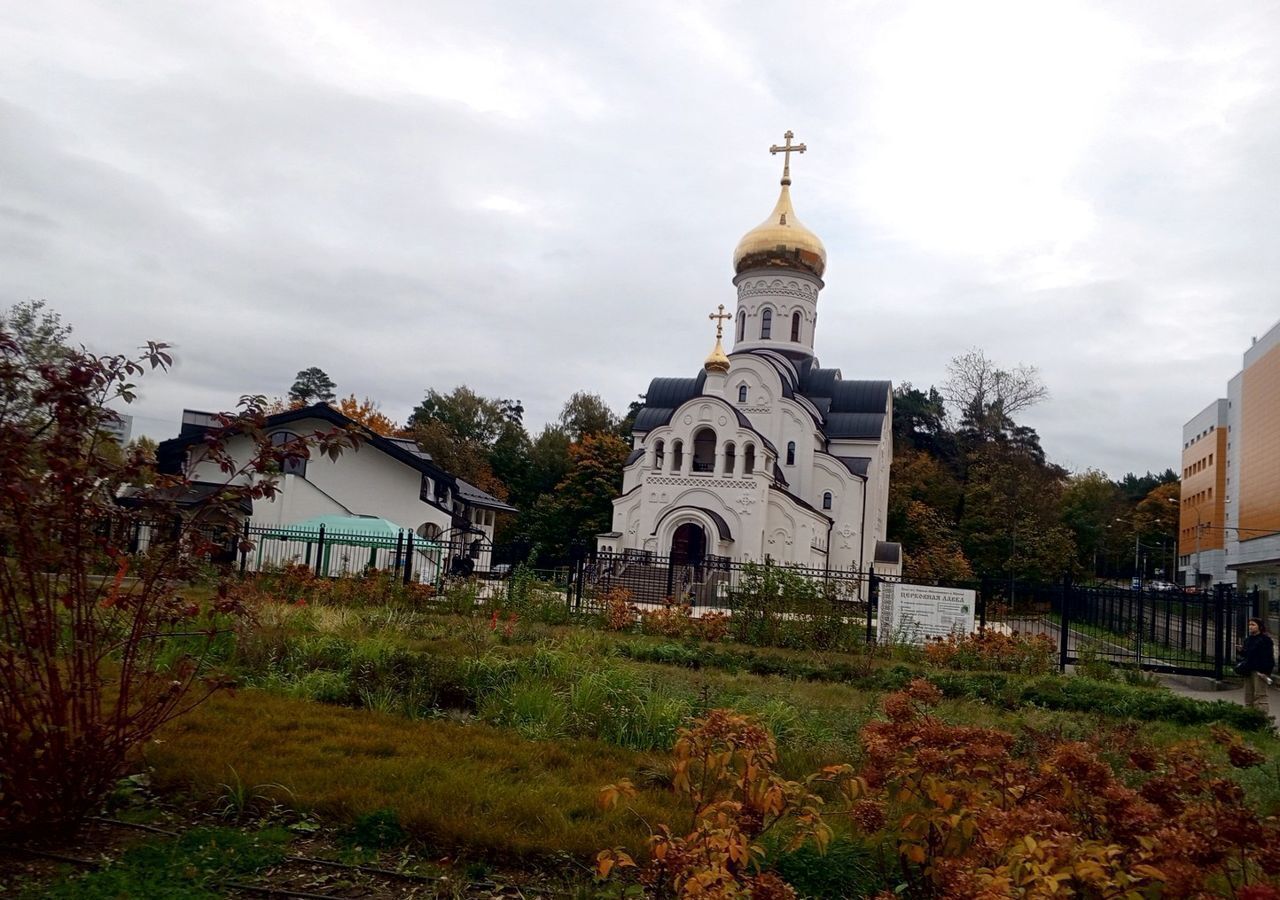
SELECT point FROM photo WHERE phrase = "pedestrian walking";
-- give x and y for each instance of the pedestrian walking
(1257, 662)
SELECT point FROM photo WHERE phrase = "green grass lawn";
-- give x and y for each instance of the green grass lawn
(493, 747)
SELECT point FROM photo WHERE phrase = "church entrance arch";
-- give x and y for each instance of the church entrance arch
(689, 545)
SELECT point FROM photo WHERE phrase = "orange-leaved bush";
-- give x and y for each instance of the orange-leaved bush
(1029, 654)
(972, 818)
(725, 765)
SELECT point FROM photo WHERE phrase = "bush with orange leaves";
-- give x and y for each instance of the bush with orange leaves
(714, 626)
(1029, 654)
(972, 819)
(673, 620)
(725, 764)
(617, 611)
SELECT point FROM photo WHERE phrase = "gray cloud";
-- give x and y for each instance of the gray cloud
(535, 202)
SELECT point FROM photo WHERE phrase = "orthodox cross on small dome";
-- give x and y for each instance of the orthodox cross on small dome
(719, 318)
(786, 150)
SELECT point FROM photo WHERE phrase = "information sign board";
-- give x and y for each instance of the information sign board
(914, 613)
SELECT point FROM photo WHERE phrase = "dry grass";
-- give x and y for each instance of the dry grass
(454, 787)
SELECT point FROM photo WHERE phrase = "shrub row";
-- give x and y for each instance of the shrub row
(1001, 689)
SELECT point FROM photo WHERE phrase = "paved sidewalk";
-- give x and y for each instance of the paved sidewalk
(1233, 694)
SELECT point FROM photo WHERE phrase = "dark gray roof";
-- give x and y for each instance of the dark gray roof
(857, 465)
(849, 409)
(472, 495)
(888, 552)
(854, 425)
(635, 454)
(664, 396)
(170, 453)
(195, 493)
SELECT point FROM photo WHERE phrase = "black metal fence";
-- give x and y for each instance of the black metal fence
(1175, 631)
(1168, 631)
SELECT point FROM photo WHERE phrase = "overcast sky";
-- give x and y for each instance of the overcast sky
(533, 199)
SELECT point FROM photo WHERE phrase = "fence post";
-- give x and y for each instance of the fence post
(1140, 598)
(873, 596)
(982, 607)
(568, 588)
(408, 556)
(1064, 626)
(320, 553)
(401, 559)
(1219, 623)
(244, 548)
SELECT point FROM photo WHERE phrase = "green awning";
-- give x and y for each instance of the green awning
(352, 531)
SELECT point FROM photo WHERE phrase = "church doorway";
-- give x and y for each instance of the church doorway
(689, 545)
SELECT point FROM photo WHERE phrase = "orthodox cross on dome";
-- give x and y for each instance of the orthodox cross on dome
(717, 361)
(786, 150)
(719, 318)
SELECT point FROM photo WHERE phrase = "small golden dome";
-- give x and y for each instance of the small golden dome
(717, 361)
(781, 240)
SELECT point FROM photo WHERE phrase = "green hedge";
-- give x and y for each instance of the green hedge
(1006, 690)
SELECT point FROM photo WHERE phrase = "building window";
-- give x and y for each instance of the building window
(795, 327)
(291, 463)
(730, 458)
(749, 459)
(659, 455)
(704, 451)
(766, 324)
(826, 500)
(742, 324)
(677, 452)
(791, 453)
(742, 393)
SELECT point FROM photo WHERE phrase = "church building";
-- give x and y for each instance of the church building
(763, 454)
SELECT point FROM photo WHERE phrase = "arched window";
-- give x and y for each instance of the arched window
(742, 393)
(730, 457)
(742, 324)
(791, 453)
(293, 462)
(429, 530)
(766, 324)
(704, 451)
(749, 459)
(826, 500)
(659, 455)
(677, 453)
(795, 326)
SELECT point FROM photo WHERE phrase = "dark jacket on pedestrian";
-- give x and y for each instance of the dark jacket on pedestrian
(1259, 654)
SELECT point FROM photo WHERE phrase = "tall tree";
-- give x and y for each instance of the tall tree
(582, 505)
(368, 414)
(312, 385)
(39, 338)
(473, 437)
(1091, 503)
(987, 397)
(585, 413)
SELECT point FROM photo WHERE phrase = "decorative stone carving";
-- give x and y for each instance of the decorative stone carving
(760, 288)
(701, 481)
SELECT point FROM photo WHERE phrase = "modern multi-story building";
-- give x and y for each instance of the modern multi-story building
(1232, 512)
(1201, 545)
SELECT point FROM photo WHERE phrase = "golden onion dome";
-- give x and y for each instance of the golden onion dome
(781, 240)
(717, 361)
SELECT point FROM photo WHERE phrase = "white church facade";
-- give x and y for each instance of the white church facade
(764, 454)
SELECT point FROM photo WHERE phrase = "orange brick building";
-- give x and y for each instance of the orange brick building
(1230, 508)
(1201, 521)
